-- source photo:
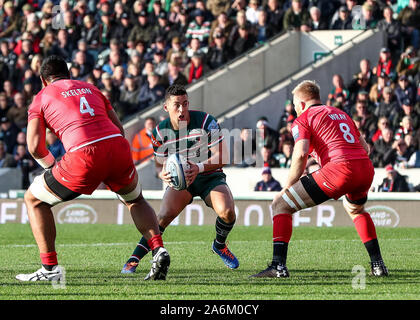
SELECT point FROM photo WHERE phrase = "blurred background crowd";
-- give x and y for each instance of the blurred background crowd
(133, 50)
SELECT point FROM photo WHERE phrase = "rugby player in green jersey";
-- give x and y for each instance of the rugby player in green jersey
(197, 136)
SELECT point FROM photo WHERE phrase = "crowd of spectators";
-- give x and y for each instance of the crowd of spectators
(132, 50)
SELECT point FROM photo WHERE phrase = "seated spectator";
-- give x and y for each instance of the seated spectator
(289, 114)
(64, 46)
(361, 83)
(8, 134)
(115, 59)
(394, 182)
(376, 91)
(408, 64)
(75, 72)
(382, 124)
(285, 156)
(410, 19)
(221, 25)
(406, 128)
(10, 21)
(162, 29)
(405, 90)
(343, 21)
(141, 145)
(81, 59)
(368, 119)
(367, 21)
(296, 17)
(142, 31)
(316, 22)
(177, 52)
(151, 92)
(128, 102)
(108, 85)
(240, 21)
(274, 15)
(263, 30)
(392, 29)
(219, 53)
(268, 183)
(173, 75)
(18, 113)
(267, 158)
(252, 11)
(399, 155)
(90, 32)
(244, 152)
(244, 42)
(160, 64)
(266, 136)
(338, 87)
(388, 105)
(407, 109)
(196, 68)
(385, 64)
(381, 147)
(6, 159)
(349, 4)
(199, 28)
(195, 47)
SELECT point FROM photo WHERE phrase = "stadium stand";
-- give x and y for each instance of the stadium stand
(133, 50)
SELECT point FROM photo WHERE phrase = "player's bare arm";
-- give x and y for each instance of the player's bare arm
(36, 143)
(299, 159)
(364, 144)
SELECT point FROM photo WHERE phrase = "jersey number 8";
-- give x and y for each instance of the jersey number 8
(85, 107)
(344, 127)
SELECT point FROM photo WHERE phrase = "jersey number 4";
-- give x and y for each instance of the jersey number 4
(344, 127)
(85, 107)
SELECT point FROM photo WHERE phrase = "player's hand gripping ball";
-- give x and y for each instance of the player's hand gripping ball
(176, 165)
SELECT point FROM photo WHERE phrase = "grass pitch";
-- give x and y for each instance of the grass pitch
(320, 262)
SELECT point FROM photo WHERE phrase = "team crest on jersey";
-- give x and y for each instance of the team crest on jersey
(213, 125)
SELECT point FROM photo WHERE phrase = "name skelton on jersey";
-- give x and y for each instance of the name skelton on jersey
(193, 141)
(332, 134)
(76, 110)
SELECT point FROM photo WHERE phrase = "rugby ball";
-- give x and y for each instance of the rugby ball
(176, 165)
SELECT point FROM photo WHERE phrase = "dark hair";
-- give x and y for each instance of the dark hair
(54, 67)
(175, 90)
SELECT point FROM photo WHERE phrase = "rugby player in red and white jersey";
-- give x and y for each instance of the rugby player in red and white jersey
(96, 151)
(331, 137)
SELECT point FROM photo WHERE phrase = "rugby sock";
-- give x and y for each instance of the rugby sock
(142, 248)
(49, 260)
(367, 232)
(155, 243)
(282, 232)
(222, 231)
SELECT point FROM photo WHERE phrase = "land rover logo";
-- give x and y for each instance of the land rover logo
(384, 216)
(77, 213)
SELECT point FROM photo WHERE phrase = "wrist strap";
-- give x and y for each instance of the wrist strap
(200, 167)
(46, 162)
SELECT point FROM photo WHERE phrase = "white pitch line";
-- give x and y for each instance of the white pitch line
(115, 244)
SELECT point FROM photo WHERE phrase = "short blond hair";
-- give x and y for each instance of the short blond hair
(307, 90)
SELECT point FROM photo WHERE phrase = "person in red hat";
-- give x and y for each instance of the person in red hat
(394, 181)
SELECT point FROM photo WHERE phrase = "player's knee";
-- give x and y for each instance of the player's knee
(353, 209)
(280, 205)
(227, 214)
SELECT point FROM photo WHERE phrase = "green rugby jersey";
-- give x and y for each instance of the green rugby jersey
(193, 142)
